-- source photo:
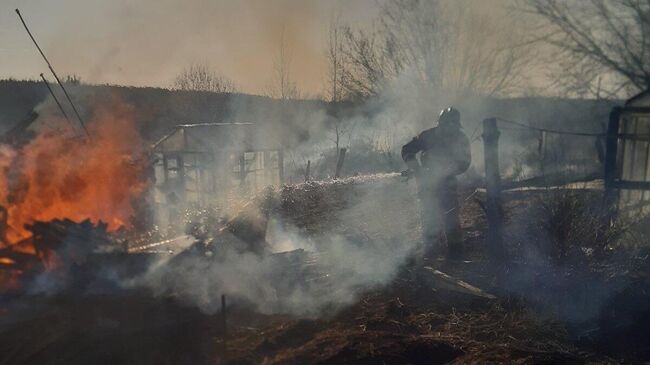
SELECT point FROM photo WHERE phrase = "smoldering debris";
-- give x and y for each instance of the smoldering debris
(335, 240)
(314, 257)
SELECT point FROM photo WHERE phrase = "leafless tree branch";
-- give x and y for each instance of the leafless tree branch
(602, 44)
(199, 77)
(282, 85)
(441, 45)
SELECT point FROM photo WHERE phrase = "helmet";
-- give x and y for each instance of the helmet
(449, 116)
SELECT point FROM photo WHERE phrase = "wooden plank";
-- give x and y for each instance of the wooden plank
(611, 150)
(635, 109)
(632, 185)
(634, 137)
(448, 282)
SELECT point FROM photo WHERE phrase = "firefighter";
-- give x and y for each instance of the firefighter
(444, 154)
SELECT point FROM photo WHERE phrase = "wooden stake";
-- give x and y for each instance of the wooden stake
(339, 163)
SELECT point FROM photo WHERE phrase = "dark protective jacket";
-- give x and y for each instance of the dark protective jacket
(444, 151)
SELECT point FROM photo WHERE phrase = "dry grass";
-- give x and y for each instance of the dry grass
(568, 225)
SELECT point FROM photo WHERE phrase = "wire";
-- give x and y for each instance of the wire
(56, 100)
(471, 138)
(524, 127)
(547, 130)
(49, 65)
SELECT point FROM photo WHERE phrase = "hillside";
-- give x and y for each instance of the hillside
(156, 110)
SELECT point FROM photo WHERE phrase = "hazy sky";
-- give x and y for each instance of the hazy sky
(147, 42)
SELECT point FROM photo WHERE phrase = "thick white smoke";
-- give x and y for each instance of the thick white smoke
(327, 270)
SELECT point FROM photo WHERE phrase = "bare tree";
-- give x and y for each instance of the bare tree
(335, 85)
(602, 46)
(335, 59)
(73, 79)
(438, 44)
(340, 129)
(282, 86)
(367, 69)
(199, 77)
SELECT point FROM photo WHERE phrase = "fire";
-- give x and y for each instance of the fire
(60, 176)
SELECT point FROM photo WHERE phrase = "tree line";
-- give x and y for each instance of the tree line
(587, 48)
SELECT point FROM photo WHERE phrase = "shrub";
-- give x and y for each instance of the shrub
(571, 225)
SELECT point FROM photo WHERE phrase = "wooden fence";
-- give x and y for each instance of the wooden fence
(626, 163)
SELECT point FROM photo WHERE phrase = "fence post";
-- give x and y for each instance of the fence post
(281, 167)
(493, 187)
(611, 147)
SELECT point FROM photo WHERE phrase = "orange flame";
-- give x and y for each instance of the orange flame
(56, 176)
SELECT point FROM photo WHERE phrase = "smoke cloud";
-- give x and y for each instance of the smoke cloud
(103, 41)
(309, 274)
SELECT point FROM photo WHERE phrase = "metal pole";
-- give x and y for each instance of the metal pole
(53, 73)
(47, 84)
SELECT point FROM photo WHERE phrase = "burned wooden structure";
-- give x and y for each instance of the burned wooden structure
(205, 165)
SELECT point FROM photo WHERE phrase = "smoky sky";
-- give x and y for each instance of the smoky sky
(148, 42)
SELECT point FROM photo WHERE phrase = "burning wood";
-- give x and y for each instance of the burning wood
(85, 236)
(58, 177)
(61, 196)
(57, 245)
